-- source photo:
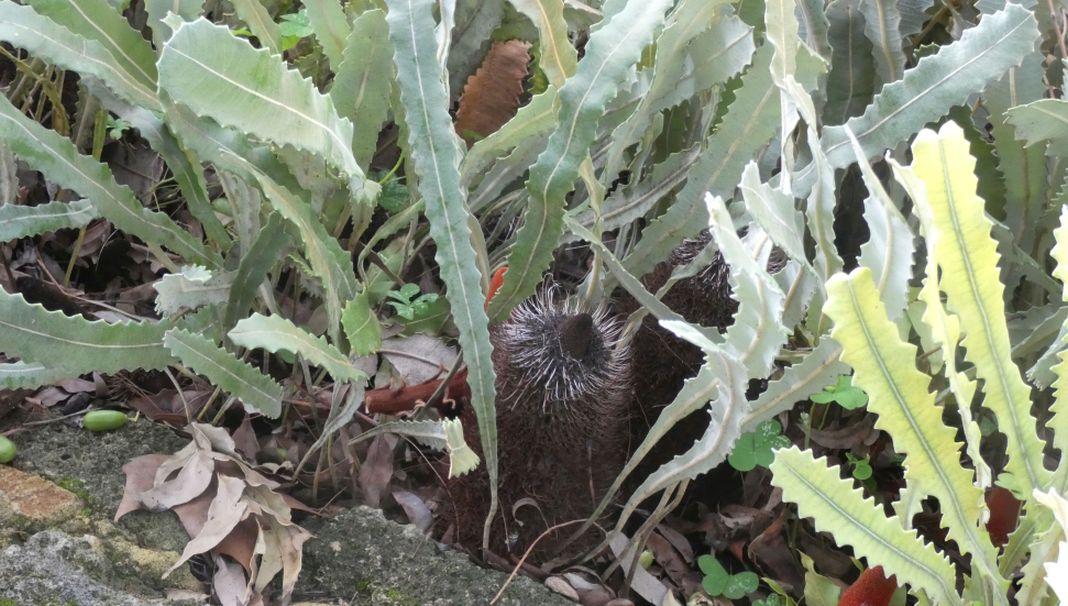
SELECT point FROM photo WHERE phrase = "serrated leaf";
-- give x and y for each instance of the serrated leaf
(363, 81)
(97, 20)
(24, 28)
(29, 375)
(885, 368)
(256, 390)
(695, 42)
(837, 507)
(204, 67)
(1042, 120)
(851, 81)
(889, 249)
(927, 91)
(327, 19)
(21, 221)
(757, 334)
(530, 122)
(74, 345)
(56, 157)
(275, 333)
(882, 22)
(750, 123)
(472, 32)
(270, 245)
(361, 325)
(435, 154)
(558, 56)
(611, 51)
(260, 23)
(190, 289)
(815, 371)
(157, 11)
(957, 231)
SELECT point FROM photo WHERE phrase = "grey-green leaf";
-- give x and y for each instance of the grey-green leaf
(21, 221)
(275, 333)
(96, 20)
(927, 91)
(56, 157)
(24, 28)
(28, 375)
(204, 67)
(435, 155)
(361, 325)
(614, 47)
(255, 389)
(74, 345)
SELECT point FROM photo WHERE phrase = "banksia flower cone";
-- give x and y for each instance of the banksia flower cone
(563, 396)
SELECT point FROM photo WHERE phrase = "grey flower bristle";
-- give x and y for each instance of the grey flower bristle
(569, 355)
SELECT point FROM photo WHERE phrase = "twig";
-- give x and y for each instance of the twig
(526, 554)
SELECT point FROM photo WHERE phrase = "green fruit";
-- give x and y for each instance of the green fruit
(104, 420)
(7, 450)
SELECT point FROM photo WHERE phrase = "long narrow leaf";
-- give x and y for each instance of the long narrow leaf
(885, 368)
(204, 67)
(435, 153)
(958, 235)
(97, 20)
(258, 391)
(275, 333)
(612, 49)
(927, 91)
(74, 345)
(22, 27)
(21, 221)
(837, 507)
(56, 156)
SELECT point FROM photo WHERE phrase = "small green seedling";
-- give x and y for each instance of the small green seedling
(116, 127)
(755, 448)
(7, 450)
(843, 394)
(407, 304)
(861, 466)
(718, 582)
(395, 196)
(294, 27)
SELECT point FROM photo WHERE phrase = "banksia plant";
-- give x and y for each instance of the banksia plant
(564, 380)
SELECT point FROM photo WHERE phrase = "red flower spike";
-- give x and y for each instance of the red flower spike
(495, 283)
(871, 589)
(1004, 514)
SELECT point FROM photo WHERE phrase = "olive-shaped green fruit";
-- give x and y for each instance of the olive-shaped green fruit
(104, 420)
(7, 450)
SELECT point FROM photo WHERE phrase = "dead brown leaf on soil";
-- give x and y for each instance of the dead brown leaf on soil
(227, 508)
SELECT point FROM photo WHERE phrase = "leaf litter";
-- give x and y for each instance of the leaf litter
(227, 508)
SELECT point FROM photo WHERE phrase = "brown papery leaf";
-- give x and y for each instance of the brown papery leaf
(491, 96)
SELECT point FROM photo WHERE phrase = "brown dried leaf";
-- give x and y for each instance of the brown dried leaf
(229, 582)
(140, 473)
(227, 509)
(377, 469)
(418, 358)
(491, 96)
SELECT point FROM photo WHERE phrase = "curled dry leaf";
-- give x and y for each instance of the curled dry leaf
(226, 506)
(418, 358)
(491, 96)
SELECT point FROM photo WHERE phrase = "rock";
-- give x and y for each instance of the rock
(361, 556)
(90, 466)
(29, 503)
(55, 568)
